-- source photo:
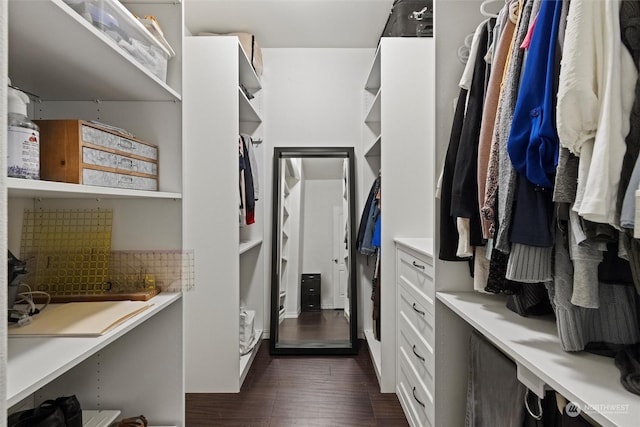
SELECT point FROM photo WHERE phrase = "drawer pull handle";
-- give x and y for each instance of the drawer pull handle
(416, 353)
(126, 144)
(127, 163)
(418, 310)
(415, 264)
(417, 400)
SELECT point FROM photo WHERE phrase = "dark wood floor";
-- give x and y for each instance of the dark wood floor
(323, 325)
(304, 391)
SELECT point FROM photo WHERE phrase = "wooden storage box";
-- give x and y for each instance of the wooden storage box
(81, 152)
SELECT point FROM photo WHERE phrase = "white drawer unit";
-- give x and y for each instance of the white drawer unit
(420, 352)
(415, 320)
(414, 397)
(416, 271)
(417, 311)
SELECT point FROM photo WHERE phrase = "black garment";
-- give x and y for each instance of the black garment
(448, 229)
(532, 222)
(464, 193)
(497, 282)
(628, 362)
(551, 415)
(532, 300)
(614, 269)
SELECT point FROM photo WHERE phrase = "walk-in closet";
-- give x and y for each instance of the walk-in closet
(288, 212)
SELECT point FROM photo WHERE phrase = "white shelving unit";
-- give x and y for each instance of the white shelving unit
(78, 72)
(398, 111)
(229, 258)
(287, 180)
(589, 380)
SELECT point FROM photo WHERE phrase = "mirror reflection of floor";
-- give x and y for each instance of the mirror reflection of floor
(324, 325)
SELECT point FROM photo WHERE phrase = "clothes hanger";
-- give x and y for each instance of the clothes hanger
(463, 51)
(485, 12)
(537, 416)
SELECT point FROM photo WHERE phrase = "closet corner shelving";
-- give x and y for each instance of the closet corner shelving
(78, 72)
(229, 257)
(289, 176)
(399, 111)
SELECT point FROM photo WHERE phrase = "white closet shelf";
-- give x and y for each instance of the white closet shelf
(151, 1)
(374, 149)
(374, 350)
(591, 381)
(247, 359)
(373, 80)
(99, 418)
(374, 114)
(249, 244)
(61, 56)
(418, 244)
(34, 362)
(247, 112)
(248, 76)
(18, 187)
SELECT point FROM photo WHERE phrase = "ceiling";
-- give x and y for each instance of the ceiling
(293, 23)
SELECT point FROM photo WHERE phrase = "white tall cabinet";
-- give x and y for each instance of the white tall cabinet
(78, 72)
(229, 259)
(398, 140)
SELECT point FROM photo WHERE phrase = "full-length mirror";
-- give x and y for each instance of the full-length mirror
(313, 285)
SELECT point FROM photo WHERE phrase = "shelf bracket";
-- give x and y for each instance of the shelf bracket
(531, 381)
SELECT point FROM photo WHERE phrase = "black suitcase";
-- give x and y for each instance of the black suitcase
(410, 18)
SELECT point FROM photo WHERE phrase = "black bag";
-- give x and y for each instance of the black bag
(410, 18)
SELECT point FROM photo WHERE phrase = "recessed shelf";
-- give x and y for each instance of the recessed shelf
(248, 76)
(34, 362)
(99, 418)
(375, 148)
(62, 39)
(247, 359)
(375, 350)
(373, 80)
(250, 244)
(374, 113)
(247, 112)
(18, 187)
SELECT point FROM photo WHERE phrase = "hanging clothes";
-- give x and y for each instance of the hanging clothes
(368, 220)
(255, 175)
(465, 177)
(594, 104)
(448, 229)
(501, 52)
(247, 195)
(500, 173)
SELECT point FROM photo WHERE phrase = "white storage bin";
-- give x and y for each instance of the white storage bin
(112, 18)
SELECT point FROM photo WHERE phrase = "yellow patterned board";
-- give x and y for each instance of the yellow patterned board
(68, 249)
(69, 256)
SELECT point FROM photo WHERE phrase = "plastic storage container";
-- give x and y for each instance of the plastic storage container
(115, 20)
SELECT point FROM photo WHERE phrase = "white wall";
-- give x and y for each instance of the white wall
(313, 97)
(319, 199)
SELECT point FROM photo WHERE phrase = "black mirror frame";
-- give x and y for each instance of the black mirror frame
(311, 152)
